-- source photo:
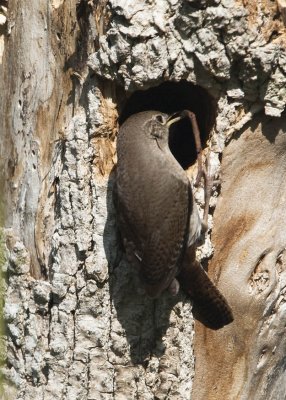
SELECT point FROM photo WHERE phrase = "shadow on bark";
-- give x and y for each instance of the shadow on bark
(270, 127)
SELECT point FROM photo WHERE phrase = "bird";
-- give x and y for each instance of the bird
(157, 215)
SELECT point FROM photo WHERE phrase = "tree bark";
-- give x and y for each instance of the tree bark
(77, 325)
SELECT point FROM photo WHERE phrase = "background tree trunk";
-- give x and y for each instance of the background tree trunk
(77, 325)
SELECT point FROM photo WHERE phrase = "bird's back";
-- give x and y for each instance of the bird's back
(153, 199)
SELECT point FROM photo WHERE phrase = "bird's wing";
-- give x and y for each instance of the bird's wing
(127, 225)
(156, 229)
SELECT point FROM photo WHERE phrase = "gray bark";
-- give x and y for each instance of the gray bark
(78, 327)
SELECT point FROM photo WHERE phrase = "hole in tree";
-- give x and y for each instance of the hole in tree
(170, 97)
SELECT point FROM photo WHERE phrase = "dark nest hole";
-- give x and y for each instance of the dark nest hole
(171, 97)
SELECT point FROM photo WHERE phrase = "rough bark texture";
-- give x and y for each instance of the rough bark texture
(249, 237)
(77, 325)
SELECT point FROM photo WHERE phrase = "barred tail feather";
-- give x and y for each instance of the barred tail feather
(210, 306)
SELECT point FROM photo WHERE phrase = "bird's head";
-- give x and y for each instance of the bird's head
(158, 124)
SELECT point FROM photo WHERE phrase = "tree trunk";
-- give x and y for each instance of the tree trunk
(78, 327)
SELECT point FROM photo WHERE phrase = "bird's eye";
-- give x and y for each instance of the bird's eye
(159, 118)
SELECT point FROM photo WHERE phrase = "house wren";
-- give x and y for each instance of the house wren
(158, 217)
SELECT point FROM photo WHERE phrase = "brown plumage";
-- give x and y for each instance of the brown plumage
(158, 217)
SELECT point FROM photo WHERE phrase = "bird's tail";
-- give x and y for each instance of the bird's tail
(210, 306)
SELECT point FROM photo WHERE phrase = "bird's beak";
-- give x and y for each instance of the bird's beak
(174, 118)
